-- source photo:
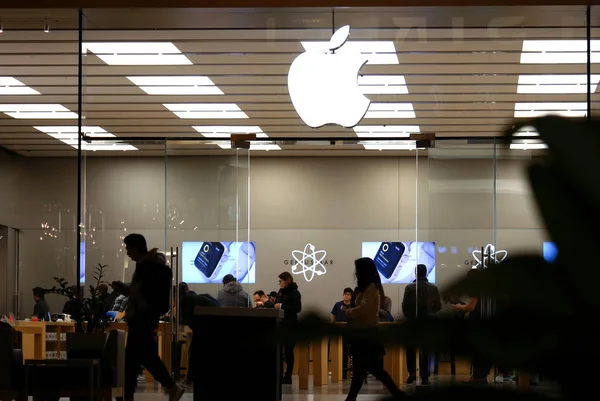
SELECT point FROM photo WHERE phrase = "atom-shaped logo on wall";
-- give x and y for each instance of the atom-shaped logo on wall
(489, 254)
(309, 262)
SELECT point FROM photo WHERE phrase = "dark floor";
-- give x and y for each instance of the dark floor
(334, 391)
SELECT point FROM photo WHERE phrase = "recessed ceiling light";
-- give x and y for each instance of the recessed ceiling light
(177, 85)
(253, 146)
(137, 53)
(556, 84)
(383, 131)
(390, 145)
(531, 110)
(559, 52)
(93, 147)
(528, 146)
(378, 52)
(382, 85)
(69, 135)
(206, 110)
(390, 110)
(12, 86)
(225, 131)
(37, 111)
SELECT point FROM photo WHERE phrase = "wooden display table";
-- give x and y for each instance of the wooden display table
(34, 340)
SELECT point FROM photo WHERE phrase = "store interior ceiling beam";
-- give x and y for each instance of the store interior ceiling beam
(44, 4)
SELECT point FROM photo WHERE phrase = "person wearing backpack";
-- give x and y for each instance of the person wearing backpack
(149, 298)
(421, 300)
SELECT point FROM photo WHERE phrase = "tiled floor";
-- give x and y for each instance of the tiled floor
(332, 392)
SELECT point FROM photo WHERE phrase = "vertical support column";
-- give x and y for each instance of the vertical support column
(320, 365)
(336, 353)
(302, 365)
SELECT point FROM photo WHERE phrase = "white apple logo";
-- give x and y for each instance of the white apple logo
(324, 86)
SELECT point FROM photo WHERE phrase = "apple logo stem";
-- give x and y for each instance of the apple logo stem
(324, 87)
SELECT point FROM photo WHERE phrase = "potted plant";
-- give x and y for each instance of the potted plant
(91, 322)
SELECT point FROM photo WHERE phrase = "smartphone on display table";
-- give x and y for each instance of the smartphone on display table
(387, 258)
(209, 258)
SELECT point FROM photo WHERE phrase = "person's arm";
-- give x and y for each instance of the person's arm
(406, 302)
(121, 288)
(369, 304)
(37, 310)
(333, 314)
(469, 307)
(436, 299)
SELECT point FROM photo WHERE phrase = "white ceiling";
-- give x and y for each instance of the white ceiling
(461, 68)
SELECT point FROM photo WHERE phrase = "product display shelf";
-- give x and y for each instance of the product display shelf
(55, 337)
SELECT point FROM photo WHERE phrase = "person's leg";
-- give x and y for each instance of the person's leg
(152, 361)
(376, 369)
(359, 374)
(289, 359)
(411, 364)
(190, 370)
(424, 366)
(134, 352)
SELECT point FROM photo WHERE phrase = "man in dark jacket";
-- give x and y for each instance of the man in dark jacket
(41, 310)
(421, 300)
(149, 298)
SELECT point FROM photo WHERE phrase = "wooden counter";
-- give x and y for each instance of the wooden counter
(54, 337)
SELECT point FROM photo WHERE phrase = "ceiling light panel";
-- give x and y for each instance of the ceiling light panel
(391, 110)
(382, 85)
(206, 110)
(385, 131)
(137, 53)
(531, 110)
(37, 111)
(225, 131)
(69, 136)
(178, 85)
(558, 84)
(559, 52)
(377, 52)
(528, 145)
(253, 146)
(12, 86)
(390, 145)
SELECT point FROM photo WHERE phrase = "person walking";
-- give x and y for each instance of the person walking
(149, 298)
(367, 354)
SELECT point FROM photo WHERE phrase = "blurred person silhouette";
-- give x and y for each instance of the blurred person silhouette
(421, 300)
(289, 300)
(273, 296)
(71, 305)
(367, 354)
(481, 365)
(149, 298)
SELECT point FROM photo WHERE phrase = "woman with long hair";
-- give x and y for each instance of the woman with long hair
(367, 354)
(290, 301)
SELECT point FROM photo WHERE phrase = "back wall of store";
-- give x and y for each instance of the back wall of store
(332, 203)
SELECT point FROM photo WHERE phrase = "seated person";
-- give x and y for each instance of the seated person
(41, 310)
(273, 296)
(262, 301)
(233, 295)
(120, 306)
(385, 311)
